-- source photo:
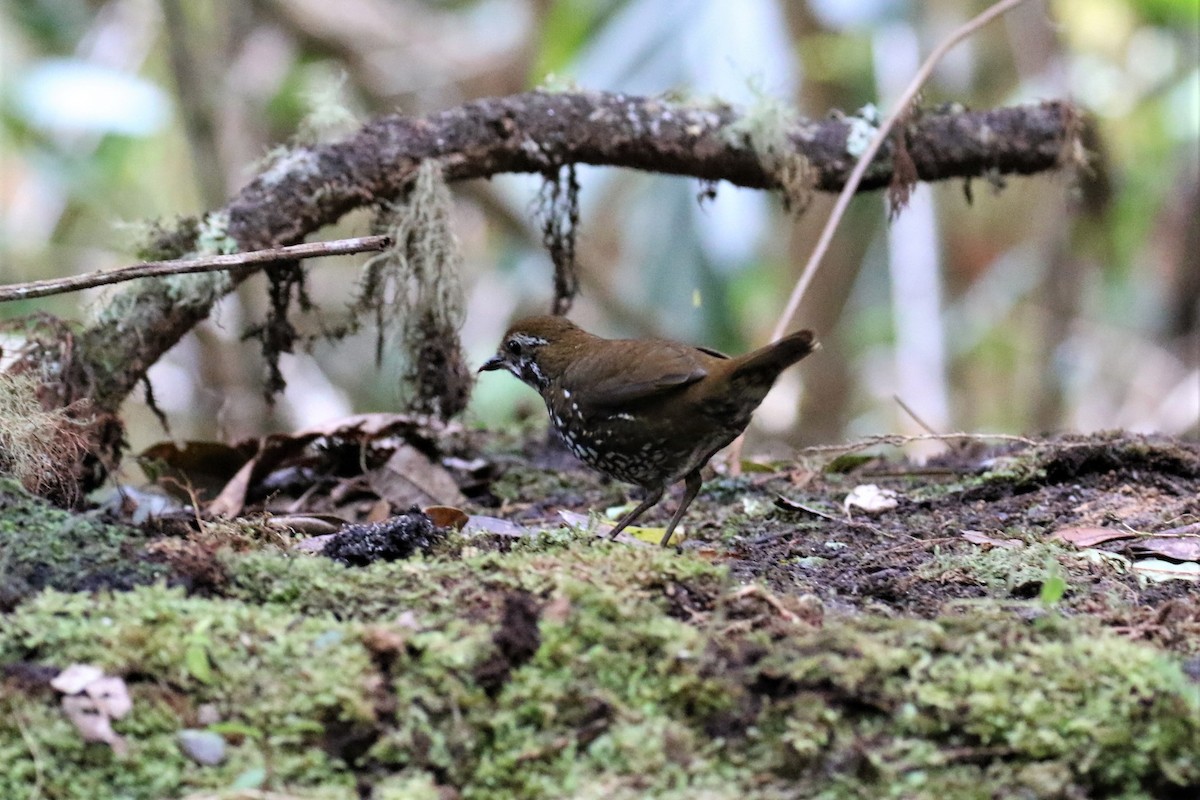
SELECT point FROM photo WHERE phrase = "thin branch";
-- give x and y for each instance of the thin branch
(915, 417)
(158, 269)
(860, 169)
(308, 187)
(851, 186)
(896, 440)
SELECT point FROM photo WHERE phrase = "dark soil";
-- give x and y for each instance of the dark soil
(914, 560)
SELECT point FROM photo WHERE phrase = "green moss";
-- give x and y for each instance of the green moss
(212, 237)
(520, 482)
(1008, 571)
(650, 674)
(967, 703)
(42, 546)
(444, 589)
(283, 681)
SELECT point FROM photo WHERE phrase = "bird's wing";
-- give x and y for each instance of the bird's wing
(628, 371)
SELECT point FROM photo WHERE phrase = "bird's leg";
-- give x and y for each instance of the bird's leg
(653, 497)
(692, 483)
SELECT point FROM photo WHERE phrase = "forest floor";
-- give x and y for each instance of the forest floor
(1014, 621)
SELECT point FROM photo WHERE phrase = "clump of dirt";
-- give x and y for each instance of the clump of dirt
(391, 540)
(973, 525)
(982, 527)
(516, 640)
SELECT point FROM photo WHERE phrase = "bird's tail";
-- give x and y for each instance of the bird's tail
(765, 363)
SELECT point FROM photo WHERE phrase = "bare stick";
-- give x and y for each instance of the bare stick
(860, 169)
(155, 269)
(896, 440)
(917, 419)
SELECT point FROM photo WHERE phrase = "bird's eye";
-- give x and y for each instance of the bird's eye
(513, 346)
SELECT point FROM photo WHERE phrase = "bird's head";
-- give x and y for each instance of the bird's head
(533, 348)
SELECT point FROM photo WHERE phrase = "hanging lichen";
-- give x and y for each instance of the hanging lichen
(766, 127)
(414, 291)
(40, 448)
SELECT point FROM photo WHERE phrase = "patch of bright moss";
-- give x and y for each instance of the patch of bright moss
(1004, 570)
(42, 546)
(653, 675)
(279, 682)
(473, 586)
(988, 700)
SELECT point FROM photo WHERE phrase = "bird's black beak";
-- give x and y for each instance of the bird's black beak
(493, 363)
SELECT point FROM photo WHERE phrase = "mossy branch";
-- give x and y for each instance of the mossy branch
(538, 132)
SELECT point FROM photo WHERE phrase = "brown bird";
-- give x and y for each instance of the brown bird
(645, 411)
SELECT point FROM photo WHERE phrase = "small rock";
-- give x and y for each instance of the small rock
(203, 747)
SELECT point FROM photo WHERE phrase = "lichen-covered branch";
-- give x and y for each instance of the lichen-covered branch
(538, 132)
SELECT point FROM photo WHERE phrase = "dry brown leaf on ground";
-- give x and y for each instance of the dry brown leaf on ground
(1090, 536)
(91, 701)
(1180, 548)
(1157, 570)
(279, 452)
(479, 523)
(975, 537)
(409, 478)
(311, 524)
(203, 468)
(448, 516)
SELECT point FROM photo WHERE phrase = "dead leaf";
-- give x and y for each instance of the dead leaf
(75, 678)
(409, 478)
(494, 525)
(447, 517)
(232, 499)
(1190, 529)
(204, 467)
(1180, 548)
(92, 723)
(380, 510)
(870, 498)
(312, 524)
(788, 504)
(1157, 570)
(975, 537)
(275, 450)
(313, 544)
(577, 520)
(1090, 536)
